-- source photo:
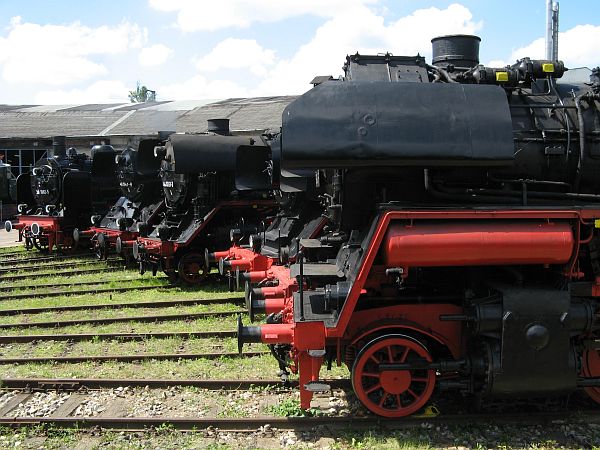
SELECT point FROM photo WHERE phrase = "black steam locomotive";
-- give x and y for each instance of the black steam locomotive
(212, 182)
(138, 209)
(61, 192)
(461, 244)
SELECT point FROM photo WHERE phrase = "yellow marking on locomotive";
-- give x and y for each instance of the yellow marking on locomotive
(597, 223)
(501, 76)
(548, 67)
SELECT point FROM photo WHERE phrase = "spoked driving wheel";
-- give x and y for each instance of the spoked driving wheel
(590, 368)
(191, 268)
(390, 392)
(40, 242)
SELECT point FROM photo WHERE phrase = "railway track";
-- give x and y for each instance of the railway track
(56, 274)
(12, 253)
(125, 337)
(75, 384)
(109, 320)
(70, 293)
(65, 417)
(148, 304)
(8, 261)
(128, 358)
(33, 268)
(13, 287)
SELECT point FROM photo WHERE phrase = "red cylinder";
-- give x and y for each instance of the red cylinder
(478, 243)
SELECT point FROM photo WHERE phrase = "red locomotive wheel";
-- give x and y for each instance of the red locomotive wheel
(590, 368)
(392, 393)
(191, 268)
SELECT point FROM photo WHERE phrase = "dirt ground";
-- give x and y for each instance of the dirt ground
(8, 239)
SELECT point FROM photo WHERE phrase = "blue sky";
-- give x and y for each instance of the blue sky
(76, 51)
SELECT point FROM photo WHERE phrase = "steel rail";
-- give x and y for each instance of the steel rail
(12, 287)
(105, 321)
(252, 424)
(33, 268)
(148, 304)
(128, 358)
(15, 252)
(82, 337)
(7, 261)
(65, 273)
(69, 293)
(79, 384)
(75, 384)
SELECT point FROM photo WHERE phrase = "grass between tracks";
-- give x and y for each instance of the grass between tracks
(259, 367)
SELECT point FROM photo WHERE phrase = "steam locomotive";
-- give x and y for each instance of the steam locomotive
(457, 245)
(61, 192)
(138, 209)
(212, 183)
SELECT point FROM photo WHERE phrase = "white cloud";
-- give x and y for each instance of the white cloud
(237, 54)
(155, 55)
(104, 91)
(324, 54)
(577, 47)
(193, 15)
(199, 88)
(59, 54)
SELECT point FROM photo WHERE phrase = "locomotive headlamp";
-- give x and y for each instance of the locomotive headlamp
(160, 151)
(22, 207)
(50, 208)
(8, 226)
(255, 242)
(36, 171)
(164, 232)
(124, 223)
(95, 219)
(120, 160)
(35, 228)
(235, 234)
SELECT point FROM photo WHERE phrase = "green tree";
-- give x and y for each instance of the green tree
(142, 94)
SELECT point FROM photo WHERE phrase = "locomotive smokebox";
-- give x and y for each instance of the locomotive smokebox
(460, 50)
(59, 146)
(218, 126)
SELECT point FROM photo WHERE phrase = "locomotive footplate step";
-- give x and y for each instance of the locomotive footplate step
(315, 270)
(313, 308)
(313, 243)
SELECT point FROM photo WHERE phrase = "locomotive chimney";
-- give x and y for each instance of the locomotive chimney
(460, 50)
(218, 126)
(59, 146)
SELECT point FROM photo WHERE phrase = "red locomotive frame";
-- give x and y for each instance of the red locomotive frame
(309, 339)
